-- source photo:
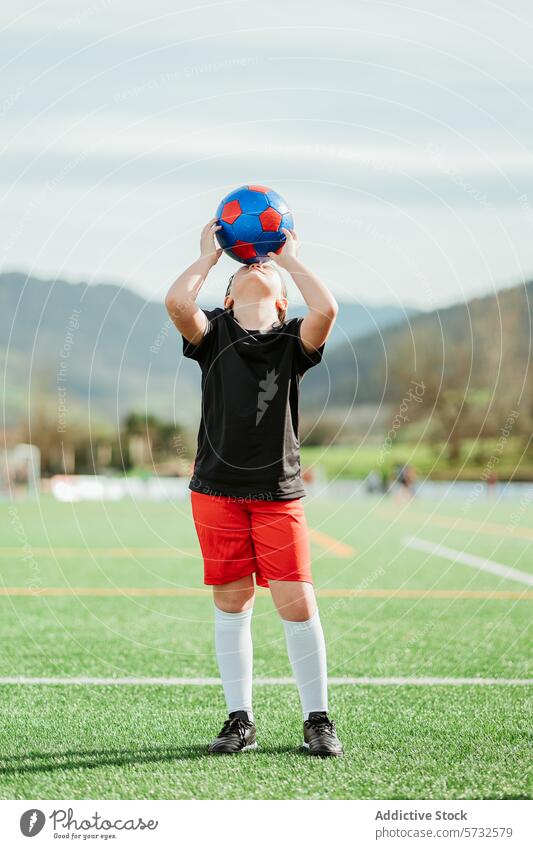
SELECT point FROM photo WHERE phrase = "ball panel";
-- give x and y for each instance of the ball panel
(231, 211)
(244, 251)
(263, 189)
(277, 202)
(269, 241)
(229, 252)
(270, 219)
(247, 228)
(287, 221)
(226, 236)
(229, 198)
(253, 202)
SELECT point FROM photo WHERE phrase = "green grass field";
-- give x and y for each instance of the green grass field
(141, 613)
(430, 460)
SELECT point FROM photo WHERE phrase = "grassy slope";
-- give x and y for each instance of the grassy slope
(358, 460)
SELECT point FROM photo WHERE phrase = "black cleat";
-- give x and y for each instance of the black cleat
(320, 736)
(237, 735)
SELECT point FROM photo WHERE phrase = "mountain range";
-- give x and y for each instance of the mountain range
(473, 352)
(96, 352)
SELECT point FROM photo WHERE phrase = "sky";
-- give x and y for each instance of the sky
(400, 134)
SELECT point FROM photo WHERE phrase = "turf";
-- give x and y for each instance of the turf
(149, 741)
(144, 742)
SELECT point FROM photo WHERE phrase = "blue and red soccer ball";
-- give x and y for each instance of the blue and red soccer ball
(252, 218)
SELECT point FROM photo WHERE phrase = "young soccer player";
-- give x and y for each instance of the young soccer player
(246, 486)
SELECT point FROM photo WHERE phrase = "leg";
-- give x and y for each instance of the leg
(295, 602)
(283, 562)
(233, 642)
(224, 533)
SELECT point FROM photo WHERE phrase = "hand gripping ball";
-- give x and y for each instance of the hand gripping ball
(251, 219)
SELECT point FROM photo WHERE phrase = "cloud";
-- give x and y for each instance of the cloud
(384, 124)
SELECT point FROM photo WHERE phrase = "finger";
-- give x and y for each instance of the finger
(288, 233)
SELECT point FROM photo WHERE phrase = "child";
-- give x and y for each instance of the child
(246, 486)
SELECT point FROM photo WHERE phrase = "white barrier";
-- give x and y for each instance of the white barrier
(105, 488)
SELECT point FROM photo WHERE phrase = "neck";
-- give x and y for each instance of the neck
(260, 315)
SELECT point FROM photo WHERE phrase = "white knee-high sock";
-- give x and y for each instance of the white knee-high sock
(307, 654)
(233, 645)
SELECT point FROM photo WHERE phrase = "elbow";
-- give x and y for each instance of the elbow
(332, 310)
(172, 305)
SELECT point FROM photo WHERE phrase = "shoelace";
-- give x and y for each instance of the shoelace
(234, 726)
(323, 726)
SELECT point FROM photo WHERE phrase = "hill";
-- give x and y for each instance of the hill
(473, 354)
(104, 349)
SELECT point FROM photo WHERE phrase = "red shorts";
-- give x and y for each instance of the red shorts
(239, 537)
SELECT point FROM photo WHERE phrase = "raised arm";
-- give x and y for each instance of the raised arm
(181, 297)
(322, 306)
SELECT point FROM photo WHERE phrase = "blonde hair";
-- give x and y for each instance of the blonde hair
(282, 313)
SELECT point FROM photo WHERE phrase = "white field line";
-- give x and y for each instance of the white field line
(212, 682)
(470, 560)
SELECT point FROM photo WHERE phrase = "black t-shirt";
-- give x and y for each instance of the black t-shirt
(248, 444)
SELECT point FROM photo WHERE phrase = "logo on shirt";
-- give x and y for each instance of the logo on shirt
(267, 389)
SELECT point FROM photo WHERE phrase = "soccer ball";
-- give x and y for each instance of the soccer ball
(252, 218)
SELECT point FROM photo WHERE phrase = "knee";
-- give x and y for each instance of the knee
(295, 600)
(234, 601)
(237, 605)
(299, 610)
